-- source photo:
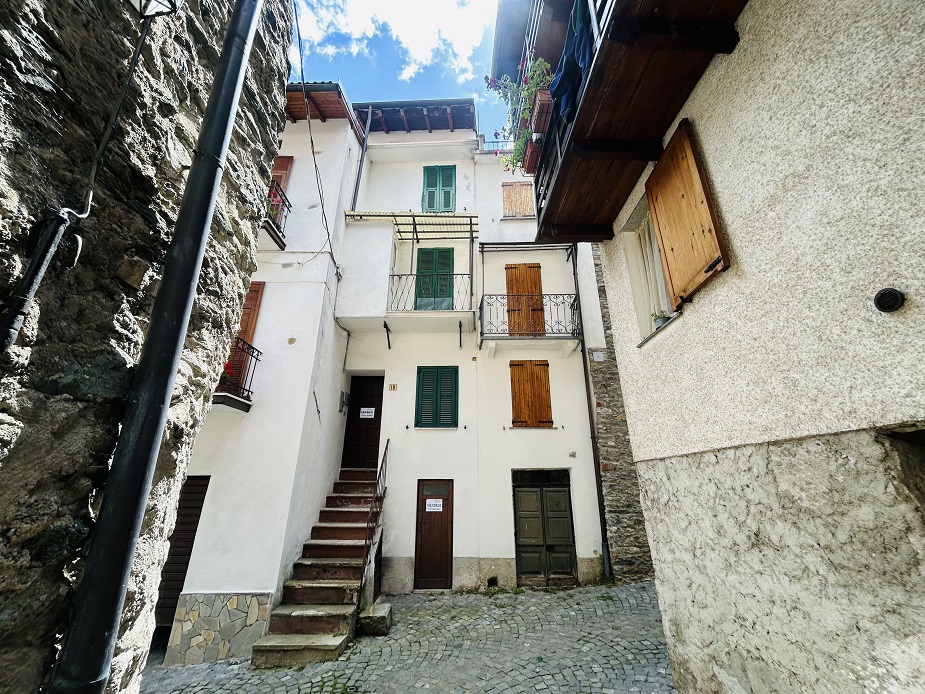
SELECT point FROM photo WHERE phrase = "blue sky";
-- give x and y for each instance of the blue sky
(388, 50)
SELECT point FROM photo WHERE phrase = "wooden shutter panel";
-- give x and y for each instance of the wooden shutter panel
(517, 199)
(448, 402)
(542, 407)
(447, 188)
(520, 394)
(689, 239)
(430, 197)
(426, 415)
(250, 311)
(281, 168)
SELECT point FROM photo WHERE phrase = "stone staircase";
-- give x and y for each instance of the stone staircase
(317, 617)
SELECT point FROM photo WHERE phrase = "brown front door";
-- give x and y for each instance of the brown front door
(234, 373)
(364, 421)
(433, 547)
(545, 542)
(189, 509)
(525, 300)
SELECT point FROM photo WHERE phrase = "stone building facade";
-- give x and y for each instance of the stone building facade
(64, 382)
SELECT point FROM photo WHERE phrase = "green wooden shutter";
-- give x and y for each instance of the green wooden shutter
(447, 189)
(433, 286)
(426, 410)
(448, 385)
(431, 195)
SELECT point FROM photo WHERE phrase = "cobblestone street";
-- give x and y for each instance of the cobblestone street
(594, 639)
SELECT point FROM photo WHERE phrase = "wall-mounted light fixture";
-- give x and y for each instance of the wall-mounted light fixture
(155, 8)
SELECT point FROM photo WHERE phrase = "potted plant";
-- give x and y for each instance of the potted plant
(660, 318)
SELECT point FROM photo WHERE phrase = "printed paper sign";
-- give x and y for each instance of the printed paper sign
(433, 504)
(367, 413)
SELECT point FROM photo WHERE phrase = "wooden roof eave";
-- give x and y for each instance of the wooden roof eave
(641, 74)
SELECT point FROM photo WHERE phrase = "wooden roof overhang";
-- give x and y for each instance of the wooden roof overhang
(649, 56)
(429, 115)
(324, 100)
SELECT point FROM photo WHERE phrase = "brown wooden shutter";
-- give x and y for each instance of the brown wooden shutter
(281, 168)
(517, 198)
(530, 401)
(189, 510)
(250, 311)
(525, 299)
(685, 223)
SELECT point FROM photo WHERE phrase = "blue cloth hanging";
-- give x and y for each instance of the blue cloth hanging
(574, 63)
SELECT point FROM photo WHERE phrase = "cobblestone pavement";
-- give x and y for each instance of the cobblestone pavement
(593, 639)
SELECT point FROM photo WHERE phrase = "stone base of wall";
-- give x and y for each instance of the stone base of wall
(792, 567)
(213, 626)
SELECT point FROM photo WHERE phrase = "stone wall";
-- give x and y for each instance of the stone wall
(63, 384)
(210, 627)
(626, 531)
(793, 566)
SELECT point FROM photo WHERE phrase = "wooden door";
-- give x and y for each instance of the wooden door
(433, 547)
(364, 422)
(433, 289)
(281, 168)
(235, 370)
(525, 314)
(545, 541)
(189, 510)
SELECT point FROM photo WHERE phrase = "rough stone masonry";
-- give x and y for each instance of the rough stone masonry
(64, 382)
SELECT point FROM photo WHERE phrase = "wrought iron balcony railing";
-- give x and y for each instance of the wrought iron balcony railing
(238, 374)
(278, 207)
(430, 293)
(529, 315)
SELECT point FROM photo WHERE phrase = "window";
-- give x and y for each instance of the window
(530, 403)
(647, 279)
(437, 397)
(433, 286)
(439, 189)
(517, 199)
(683, 219)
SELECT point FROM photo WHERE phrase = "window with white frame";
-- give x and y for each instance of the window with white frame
(647, 277)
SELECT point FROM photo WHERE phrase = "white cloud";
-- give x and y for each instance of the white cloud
(440, 30)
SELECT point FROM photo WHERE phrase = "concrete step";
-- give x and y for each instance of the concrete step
(355, 487)
(330, 591)
(344, 515)
(313, 619)
(333, 549)
(359, 473)
(355, 501)
(339, 531)
(327, 569)
(294, 650)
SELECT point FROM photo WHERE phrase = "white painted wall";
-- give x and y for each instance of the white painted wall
(365, 263)
(810, 135)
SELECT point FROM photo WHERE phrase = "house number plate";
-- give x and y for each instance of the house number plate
(433, 504)
(367, 413)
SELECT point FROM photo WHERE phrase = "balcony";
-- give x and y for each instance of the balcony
(645, 64)
(234, 385)
(430, 293)
(277, 212)
(540, 321)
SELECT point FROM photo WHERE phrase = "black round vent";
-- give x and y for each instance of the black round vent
(889, 300)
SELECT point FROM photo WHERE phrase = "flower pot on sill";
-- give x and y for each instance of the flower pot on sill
(542, 111)
(660, 321)
(532, 156)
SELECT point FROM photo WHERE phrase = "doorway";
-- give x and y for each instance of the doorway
(433, 547)
(364, 422)
(525, 315)
(544, 534)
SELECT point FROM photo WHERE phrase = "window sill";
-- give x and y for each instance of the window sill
(659, 329)
(532, 428)
(436, 428)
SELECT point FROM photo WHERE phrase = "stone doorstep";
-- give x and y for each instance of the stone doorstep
(313, 619)
(376, 620)
(321, 592)
(294, 650)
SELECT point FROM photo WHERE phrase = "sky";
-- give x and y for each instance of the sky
(391, 50)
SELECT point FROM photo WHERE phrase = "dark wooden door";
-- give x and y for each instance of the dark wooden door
(234, 373)
(189, 509)
(525, 315)
(433, 547)
(545, 541)
(364, 421)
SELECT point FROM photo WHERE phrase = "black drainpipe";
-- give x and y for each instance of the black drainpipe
(86, 655)
(592, 420)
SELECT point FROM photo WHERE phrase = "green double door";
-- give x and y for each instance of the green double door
(433, 289)
(544, 536)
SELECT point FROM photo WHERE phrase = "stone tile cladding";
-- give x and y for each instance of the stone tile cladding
(210, 627)
(626, 530)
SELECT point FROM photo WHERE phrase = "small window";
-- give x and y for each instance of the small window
(437, 397)
(433, 286)
(530, 402)
(647, 279)
(439, 189)
(517, 198)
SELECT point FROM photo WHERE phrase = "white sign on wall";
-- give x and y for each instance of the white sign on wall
(433, 504)
(367, 413)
